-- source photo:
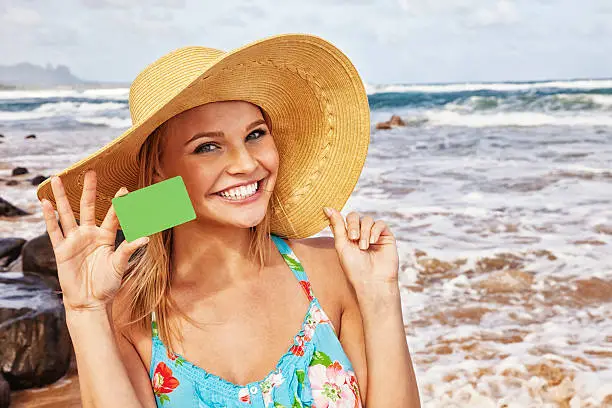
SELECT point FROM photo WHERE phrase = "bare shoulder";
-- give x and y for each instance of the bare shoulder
(323, 267)
(129, 336)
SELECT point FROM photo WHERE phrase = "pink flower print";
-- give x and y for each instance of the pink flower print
(332, 387)
(299, 347)
(309, 329)
(319, 316)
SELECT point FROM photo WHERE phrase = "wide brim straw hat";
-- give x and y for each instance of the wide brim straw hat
(312, 94)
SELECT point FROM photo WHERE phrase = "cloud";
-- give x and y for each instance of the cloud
(468, 12)
(21, 16)
(126, 4)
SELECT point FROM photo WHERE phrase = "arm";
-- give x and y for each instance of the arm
(110, 371)
(372, 320)
(391, 379)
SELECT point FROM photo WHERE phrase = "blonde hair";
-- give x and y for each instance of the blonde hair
(146, 283)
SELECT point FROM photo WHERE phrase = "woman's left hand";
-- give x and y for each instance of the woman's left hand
(367, 251)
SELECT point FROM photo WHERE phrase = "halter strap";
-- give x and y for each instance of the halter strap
(294, 264)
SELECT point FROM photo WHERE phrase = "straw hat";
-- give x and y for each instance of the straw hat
(311, 92)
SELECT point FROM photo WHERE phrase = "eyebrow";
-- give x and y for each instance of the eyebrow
(219, 133)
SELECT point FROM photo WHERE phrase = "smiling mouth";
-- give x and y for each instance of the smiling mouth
(242, 192)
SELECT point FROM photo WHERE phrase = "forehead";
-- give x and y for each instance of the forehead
(214, 114)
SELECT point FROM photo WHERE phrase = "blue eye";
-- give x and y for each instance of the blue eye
(204, 147)
(258, 132)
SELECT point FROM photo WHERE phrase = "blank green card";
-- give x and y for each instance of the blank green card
(154, 208)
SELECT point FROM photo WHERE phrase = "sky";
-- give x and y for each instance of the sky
(389, 41)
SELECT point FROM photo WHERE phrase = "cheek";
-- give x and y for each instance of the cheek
(269, 156)
(198, 182)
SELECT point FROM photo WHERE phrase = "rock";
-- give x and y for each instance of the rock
(38, 179)
(507, 281)
(397, 121)
(594, 290)
(10, 249)
(383, 126)
(38, 256)
(393, 122)
(32, 136)
(17, 171)
(12, 183)
(1, 135)
(36, 347)
(9, 210)
(5, 393)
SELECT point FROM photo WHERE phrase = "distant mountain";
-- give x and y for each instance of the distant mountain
(29, 75)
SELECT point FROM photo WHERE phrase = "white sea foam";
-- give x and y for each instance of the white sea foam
(119, 94)
(502, 87)
(501, 119)
(76, 110)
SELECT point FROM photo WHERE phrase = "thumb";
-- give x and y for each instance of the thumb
(124, 251)
(336, 222)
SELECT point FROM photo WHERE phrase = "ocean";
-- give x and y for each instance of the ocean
(500, 195)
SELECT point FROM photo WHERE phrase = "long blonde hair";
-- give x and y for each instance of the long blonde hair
(146, 284)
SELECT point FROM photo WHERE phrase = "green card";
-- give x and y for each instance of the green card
(154, 208)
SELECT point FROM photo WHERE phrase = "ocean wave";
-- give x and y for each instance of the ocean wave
(587, 84)
(506, 119)
(62, 109)
(118, 94)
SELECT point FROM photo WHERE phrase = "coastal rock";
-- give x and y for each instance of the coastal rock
(1, 135)
(5, 393)
(38, 256)
(12, 183)
(32, 136)
(36, 347)
(507, 281)
(17, 171)
(38, 179)
(10, 249)
(393, 122)
(9, 210)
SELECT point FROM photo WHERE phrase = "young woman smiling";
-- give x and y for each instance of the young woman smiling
(238, 307)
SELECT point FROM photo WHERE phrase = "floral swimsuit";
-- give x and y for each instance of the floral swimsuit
(314, 372)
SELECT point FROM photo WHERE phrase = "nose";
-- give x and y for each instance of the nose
(241, 161)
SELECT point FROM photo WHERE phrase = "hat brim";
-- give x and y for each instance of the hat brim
(319, 113)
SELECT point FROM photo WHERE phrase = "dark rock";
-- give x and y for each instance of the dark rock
(38, 179)
(37, 256)
(12, 183)
(10, 248)
(31, 136)
(9, 210)
(394, 121)
(36, 347)
(1, 135)
(5, 393)
(17, 171)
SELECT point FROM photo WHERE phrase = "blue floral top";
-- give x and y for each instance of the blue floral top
(314, 372)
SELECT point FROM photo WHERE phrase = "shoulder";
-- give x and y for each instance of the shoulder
(319, 256)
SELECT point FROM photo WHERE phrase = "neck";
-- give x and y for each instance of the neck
(212, 256)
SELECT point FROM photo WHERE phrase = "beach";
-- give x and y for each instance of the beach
(499, 194)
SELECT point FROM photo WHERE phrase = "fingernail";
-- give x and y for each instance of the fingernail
(327, 211)
(354, 234)
(363, 244)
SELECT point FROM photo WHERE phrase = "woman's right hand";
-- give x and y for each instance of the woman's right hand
(89, 268)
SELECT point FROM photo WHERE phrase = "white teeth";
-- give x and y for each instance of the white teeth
(241, 192)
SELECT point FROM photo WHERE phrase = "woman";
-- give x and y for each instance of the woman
(269, 140)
